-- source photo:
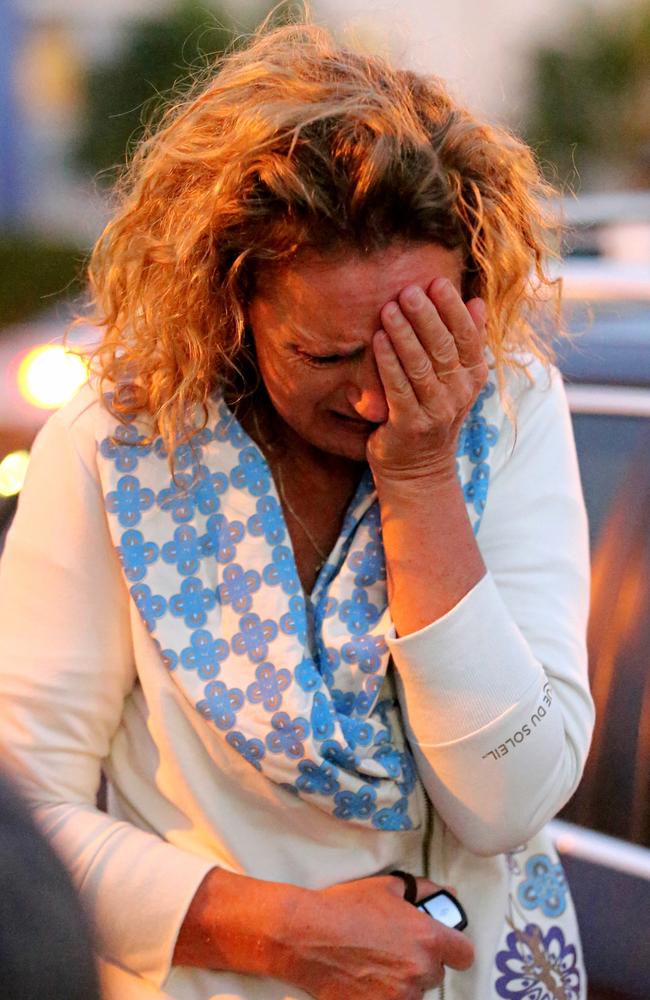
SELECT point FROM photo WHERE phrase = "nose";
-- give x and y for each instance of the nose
(366, 393)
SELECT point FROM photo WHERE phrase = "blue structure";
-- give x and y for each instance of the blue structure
(12, 193)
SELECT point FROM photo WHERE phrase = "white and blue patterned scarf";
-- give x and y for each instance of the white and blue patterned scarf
(298, 686)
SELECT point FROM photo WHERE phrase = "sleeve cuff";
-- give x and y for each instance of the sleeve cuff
(464, 670)
(140, 933)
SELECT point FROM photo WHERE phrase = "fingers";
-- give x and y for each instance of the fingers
(421, 315)
(399, 389)
(476, 309)
(432, 336)
(453, 948)
(427, 888)
(466, 321)
(441, 945)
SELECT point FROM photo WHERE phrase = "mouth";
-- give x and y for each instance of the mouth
(357, 423)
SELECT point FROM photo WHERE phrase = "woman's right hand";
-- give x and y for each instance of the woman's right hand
(361, 940)
(356, 940)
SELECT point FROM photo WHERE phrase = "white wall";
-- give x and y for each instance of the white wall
(479, 46)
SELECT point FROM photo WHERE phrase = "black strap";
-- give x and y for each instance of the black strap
(410, 885)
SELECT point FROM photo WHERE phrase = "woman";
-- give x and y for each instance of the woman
(308, 562)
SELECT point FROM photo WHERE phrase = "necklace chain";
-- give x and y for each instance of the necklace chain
(314, 544)
(283, 496)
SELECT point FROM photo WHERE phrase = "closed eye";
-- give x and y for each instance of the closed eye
(321, 360)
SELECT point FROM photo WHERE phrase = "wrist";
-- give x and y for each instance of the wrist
(418, 482)
(238, 924)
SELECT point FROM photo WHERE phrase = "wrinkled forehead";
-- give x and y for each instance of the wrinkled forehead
(348, 290)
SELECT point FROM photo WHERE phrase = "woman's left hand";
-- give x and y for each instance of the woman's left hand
(430, 357)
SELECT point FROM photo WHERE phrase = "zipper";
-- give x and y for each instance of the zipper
(431, 821)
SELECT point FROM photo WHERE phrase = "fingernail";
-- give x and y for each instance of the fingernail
(391, 310)
(413, 296)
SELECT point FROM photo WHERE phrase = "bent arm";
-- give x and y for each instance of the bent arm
(495, 690)
(66, 667)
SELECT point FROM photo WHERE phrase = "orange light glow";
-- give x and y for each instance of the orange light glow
(13, 468)
(49, 376)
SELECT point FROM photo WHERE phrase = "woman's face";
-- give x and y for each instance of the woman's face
(313, 323)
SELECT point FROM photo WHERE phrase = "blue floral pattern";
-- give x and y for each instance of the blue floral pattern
(222, 537)
(221, 704)
(359, 805)
(128, 501)
(317, 778)
(477, 437)
(204, 654)
(294, 685)
(288, 735)
(125, 448)
(545, 886)
(268, 687)
(193, 602)
(251, 750)
(238, 587)
(184, 551)
(136, 554)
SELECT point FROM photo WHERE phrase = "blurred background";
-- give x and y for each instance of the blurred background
(79, 78)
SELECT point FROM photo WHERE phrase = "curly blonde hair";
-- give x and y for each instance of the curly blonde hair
(296, 143)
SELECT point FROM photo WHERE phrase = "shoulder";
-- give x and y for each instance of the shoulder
(81, 411)
(76, 431)
(532, 398)
(532, 383)
(524, 383)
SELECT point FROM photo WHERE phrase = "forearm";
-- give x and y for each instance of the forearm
(354, 939)
(238, 924)
(135, 886)
(496, 758)
(499, 743)
(432, 559)
(497, 787)
(499, 740)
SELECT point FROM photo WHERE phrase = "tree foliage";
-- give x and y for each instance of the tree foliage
(34, 274)
(590, 107)
(157, 58)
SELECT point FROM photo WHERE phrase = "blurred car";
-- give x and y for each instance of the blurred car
(611, 225)
(603, 834)
(37, 376)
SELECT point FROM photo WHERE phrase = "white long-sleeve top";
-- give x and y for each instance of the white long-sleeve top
(501, 680)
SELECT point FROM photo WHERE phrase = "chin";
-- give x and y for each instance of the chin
(341, 441)
(352, 448)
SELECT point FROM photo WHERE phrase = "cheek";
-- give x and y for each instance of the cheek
(277, 373)
(323, 387)
(287, 373)
(285, 383)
